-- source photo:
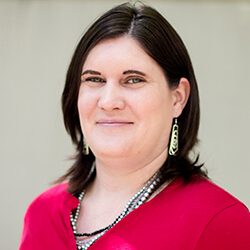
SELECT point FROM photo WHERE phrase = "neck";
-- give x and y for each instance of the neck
(120, 178)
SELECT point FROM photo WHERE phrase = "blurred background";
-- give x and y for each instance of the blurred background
(37, 39)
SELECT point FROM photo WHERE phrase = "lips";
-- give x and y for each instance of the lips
(113, 122)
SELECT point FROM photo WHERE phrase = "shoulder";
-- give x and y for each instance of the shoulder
(203, 193)
(46, 219)
(51, 200)
(226, 219)
(51, 194)
(58, 191)
(219, 220)
(213, 200)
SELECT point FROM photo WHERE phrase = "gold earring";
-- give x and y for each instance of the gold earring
(173, 146)
(85, 148)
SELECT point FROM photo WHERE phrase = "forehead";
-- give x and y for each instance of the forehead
(123, 51)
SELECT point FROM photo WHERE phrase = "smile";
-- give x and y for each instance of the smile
(112, 123)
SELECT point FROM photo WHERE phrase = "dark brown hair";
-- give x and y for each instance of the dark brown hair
(160, 41)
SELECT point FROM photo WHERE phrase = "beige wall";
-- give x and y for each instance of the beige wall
(37, 39)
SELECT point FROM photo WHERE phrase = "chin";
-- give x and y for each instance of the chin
(111, 152)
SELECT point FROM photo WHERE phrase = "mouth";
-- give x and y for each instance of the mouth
(113, 123)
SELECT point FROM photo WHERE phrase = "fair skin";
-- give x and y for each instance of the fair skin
(126, 111)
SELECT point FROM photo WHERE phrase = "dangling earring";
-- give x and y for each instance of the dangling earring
(85, 148)
(173, 146)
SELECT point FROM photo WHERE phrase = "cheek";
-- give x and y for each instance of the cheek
(155, 105)
(85, 106)
(85, 113)
(156, 114)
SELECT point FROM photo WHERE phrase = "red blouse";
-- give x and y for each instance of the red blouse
(194, 216)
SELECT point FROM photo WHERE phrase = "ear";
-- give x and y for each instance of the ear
(180, 96)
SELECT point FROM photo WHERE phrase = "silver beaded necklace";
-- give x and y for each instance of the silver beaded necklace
(85, 240)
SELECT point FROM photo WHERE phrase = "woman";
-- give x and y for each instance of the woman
(131, 107)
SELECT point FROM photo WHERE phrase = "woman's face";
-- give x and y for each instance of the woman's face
(125, 105)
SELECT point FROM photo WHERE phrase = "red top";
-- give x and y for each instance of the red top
(194, 216)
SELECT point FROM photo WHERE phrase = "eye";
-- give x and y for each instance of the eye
(135, 80)
(94, 79)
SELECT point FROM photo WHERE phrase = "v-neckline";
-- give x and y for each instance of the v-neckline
(171, 186)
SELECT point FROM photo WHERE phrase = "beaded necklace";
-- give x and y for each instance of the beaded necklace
(85, 240)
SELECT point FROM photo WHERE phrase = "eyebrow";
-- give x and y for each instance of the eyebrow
(92, 72)
(132, 71)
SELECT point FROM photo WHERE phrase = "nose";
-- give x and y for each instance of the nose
(111, 97)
